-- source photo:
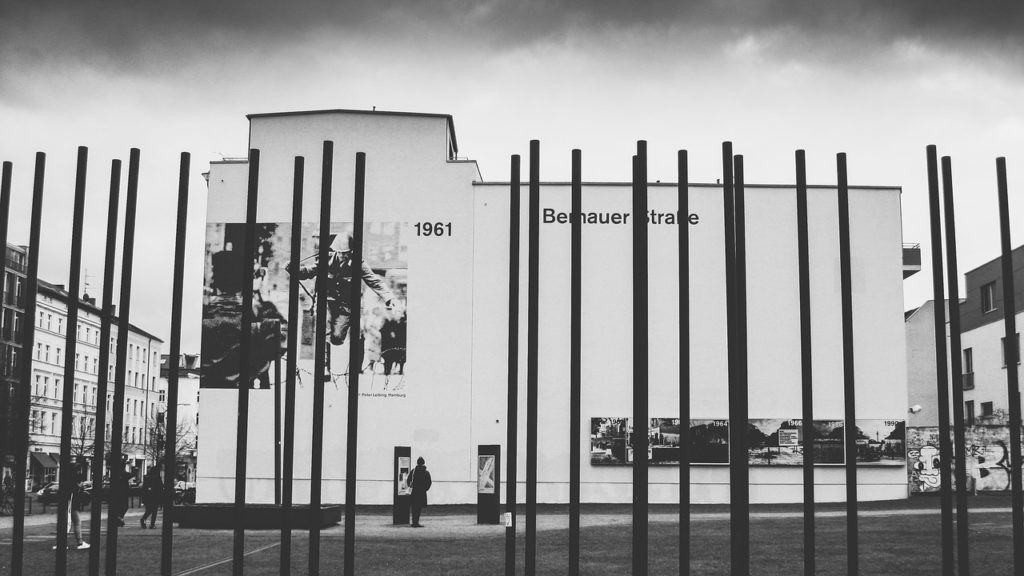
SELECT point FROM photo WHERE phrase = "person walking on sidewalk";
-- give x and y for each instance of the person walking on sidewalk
(77, 474)
(151, 493)
(419, 481)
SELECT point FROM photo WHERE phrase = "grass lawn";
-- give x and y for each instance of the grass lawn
(904, 542)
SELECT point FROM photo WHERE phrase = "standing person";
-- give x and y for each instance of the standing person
(151, 493)
(77, 474)
(119, 487)
(419, 481)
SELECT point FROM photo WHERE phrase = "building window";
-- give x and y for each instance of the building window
(49, 321)
(60, 325)
(47, 352)
(986, 409)
(988, 297)
(38, 386)
(969, 413)
(95, 366)
(59, 363)
(1003, 349)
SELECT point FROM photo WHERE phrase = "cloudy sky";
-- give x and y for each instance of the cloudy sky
(878, 80)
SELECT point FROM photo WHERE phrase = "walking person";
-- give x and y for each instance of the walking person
(151, 493)
(419, 481)
(77, 474)
(119, 487)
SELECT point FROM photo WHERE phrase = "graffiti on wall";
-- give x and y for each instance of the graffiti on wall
(986, 458)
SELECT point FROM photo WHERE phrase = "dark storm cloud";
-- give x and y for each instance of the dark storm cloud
(143, 35)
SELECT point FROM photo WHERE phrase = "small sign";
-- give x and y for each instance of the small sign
(789, 436)
(485, 475)
(404, 463)
(508, 519)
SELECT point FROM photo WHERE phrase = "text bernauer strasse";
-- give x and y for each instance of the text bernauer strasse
(551, 216)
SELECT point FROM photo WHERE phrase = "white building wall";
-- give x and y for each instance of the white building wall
(458, 288)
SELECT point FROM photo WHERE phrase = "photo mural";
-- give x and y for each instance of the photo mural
(770, 442)
(383, 277)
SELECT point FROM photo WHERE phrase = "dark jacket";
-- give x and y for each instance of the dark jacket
(420, 482)
(151, 490)
(339, 279)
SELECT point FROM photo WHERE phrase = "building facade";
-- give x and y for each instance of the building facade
(983, 335)
(434, 325)
(187, 428)
(142, 385)
(11, 355)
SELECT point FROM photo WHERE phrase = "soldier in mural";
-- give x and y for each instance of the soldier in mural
(339, 286)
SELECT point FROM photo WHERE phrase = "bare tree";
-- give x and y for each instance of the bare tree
(155, 447)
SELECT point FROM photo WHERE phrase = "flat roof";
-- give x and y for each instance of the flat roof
(448, 117)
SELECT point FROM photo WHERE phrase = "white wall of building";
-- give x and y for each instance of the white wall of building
(458, 288)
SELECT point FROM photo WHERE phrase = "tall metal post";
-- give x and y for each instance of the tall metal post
(806, 361)
(1011, 352)
(575, 356)
(849, 381)
(288, 457)
(683, 221)
(532, 331)
(68, 472)
(956, 363)
(941, 363)
(355, 348)
(245, 375)
(738, 402)
(118, 497)
(277, 424)
(171, 417)
(7, 442)
(28, 341)
(106, 319)
(321, 369)
(641, 421)
(512, 425)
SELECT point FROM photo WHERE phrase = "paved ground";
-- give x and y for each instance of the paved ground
(899, 538)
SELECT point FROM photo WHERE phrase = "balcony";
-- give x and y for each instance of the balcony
(911, 260)
(968, 381)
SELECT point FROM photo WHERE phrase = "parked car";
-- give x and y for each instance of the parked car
(48, 493)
